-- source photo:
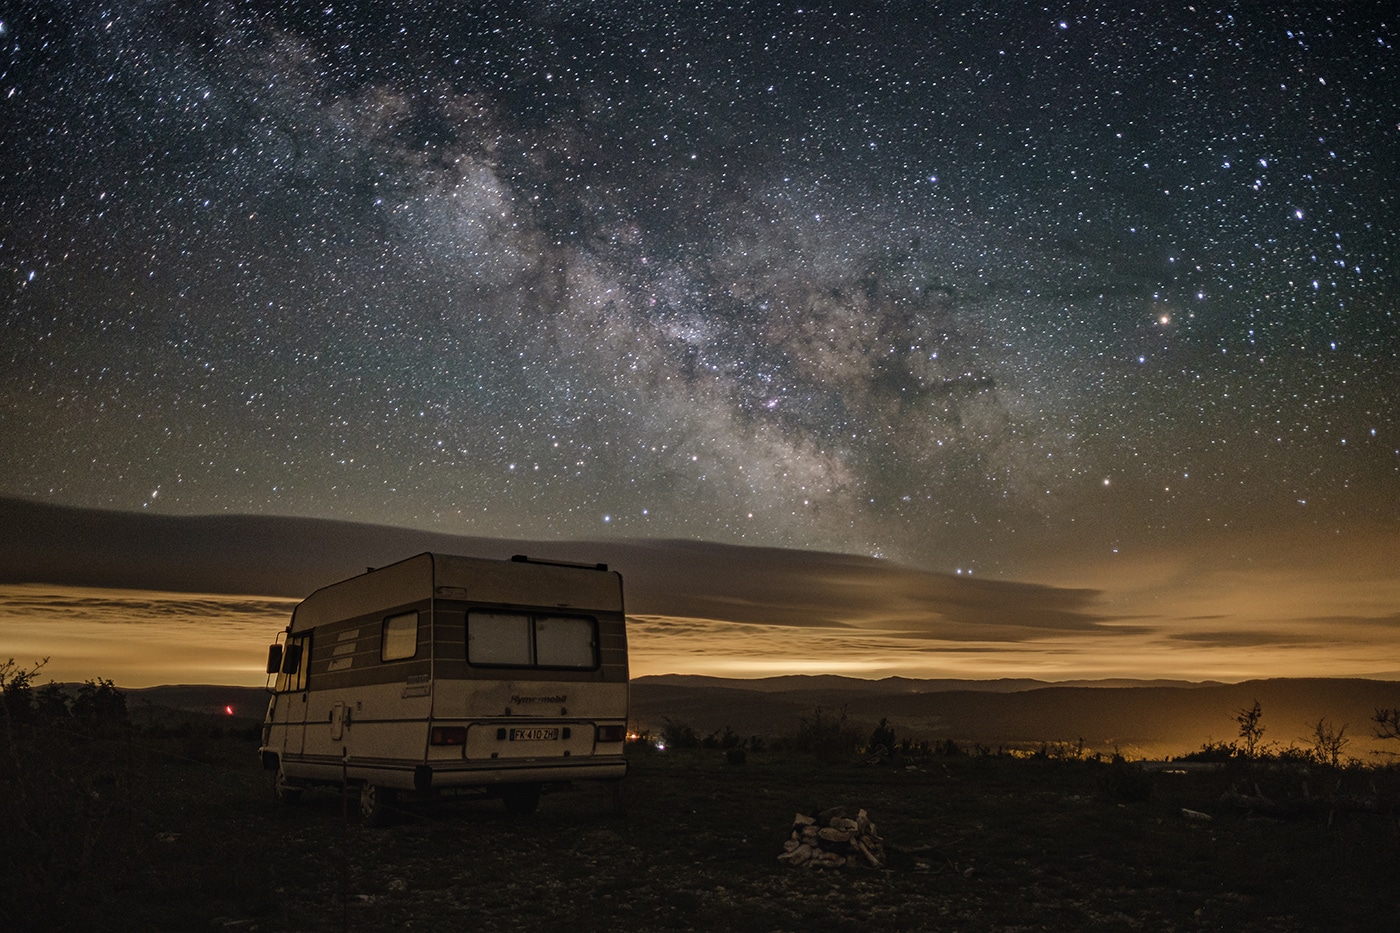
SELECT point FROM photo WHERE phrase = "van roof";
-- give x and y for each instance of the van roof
(520, 583)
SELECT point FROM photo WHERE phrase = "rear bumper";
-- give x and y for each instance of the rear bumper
(514, 772)
(415, 775)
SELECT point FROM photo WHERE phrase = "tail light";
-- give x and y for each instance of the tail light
(612, 733)
(448, 735)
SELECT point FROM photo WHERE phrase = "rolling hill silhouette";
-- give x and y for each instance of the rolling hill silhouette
(1150, 719)
(1146, 719)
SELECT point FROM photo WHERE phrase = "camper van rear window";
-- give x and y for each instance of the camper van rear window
(400, 637)
(512, 639)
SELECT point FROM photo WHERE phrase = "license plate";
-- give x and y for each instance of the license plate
(534, 735)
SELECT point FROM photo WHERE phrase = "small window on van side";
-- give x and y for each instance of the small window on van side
(400, 638)
(296, 661)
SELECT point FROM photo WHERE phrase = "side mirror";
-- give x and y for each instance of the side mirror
(274, 658)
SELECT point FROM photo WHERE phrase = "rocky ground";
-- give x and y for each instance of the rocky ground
(183, 838)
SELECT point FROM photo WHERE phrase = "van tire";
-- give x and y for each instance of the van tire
(377, 804)
(282, 790)
(521, 799)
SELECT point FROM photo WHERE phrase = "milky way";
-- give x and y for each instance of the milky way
(952, 287)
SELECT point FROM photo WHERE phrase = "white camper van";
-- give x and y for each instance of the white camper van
(451, 673)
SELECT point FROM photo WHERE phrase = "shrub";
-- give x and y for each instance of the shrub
(99, 705)
(1328, 743)
(728, 740)
(1212, 751)
(679, 735)
(1125, 782)
(1387, 723)
(1251, 732)
(881, 738)
(65, 799)
(826, 734)
(51, 703)
(17, 690)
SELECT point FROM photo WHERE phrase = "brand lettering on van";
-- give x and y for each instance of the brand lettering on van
(520, 700)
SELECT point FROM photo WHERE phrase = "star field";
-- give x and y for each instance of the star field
(955, 287)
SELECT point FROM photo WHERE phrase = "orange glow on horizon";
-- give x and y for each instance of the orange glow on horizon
(1227, 628)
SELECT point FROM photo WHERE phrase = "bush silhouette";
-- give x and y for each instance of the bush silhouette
(99, 704)
(881, 737)
(826, 734)
(679, 735)
(65, 795)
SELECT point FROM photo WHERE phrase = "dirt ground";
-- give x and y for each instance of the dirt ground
(181, 836)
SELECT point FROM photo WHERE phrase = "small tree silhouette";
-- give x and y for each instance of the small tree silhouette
(1387, 722)
(1328, 742)
(1250, 729)
(826, 734)
(17, 690)
(679, 734)
(99, 703)
(51, 703)
(882, 737)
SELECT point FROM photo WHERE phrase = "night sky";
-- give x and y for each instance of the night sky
(997, 290)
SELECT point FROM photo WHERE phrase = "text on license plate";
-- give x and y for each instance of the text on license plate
(534, 735)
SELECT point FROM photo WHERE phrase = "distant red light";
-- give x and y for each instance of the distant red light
(229, 710)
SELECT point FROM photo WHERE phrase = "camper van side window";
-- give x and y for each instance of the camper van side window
(400, 637)
(296, 658)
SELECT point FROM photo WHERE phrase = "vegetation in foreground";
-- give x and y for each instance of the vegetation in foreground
(111, 827)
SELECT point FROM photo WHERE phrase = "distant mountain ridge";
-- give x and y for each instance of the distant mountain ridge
(1144, 719)
(843, 683)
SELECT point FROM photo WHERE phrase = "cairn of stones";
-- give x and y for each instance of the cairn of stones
(831, 839)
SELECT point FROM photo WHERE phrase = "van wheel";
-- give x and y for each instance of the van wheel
(282, 790)
(521, 799)
(377, 803)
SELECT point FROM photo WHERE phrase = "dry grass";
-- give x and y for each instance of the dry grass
(187, 836)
